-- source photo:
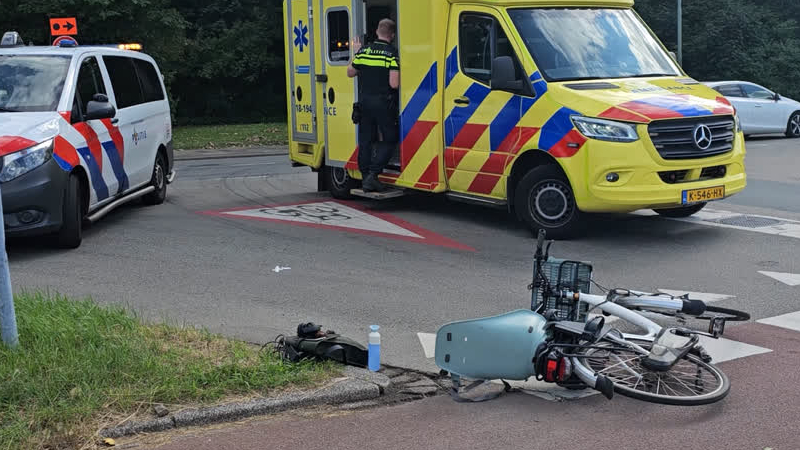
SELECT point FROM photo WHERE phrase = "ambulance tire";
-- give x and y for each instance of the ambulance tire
(158, 181)
(340, 183)
(682, 212)
(558, 215)
(70, 235)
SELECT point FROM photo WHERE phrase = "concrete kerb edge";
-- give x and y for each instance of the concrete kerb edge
(352, 389)
(201, 154)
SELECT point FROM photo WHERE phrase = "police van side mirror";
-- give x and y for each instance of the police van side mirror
(504, 76)
(99, 108)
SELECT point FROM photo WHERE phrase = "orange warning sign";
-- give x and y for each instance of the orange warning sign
(67, 26)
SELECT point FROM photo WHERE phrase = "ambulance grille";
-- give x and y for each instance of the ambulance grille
(674, 139)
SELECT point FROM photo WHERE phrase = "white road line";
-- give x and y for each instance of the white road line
(791, 279)
(711, 217)
(789, 321)
(428, 342)
(722, 349)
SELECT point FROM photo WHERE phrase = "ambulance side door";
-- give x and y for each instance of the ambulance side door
(481, 124)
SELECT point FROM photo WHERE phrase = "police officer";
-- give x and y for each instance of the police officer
(377, 66)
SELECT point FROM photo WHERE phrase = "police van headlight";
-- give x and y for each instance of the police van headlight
(21, 162)
(605, 130)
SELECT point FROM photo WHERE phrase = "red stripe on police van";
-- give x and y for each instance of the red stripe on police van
(563, 149)
(413, 142)
(66, 152)
(11, 144)
(92, 141)
(621, 114)
(469, 135)
(651, 111)
(116, 137)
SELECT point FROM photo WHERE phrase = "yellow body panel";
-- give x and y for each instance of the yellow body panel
(459, 135)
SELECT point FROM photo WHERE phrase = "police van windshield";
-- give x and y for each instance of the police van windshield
(31, 83)
(591, 43)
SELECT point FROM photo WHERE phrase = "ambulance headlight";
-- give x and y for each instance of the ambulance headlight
(22, 162)
(605, 130)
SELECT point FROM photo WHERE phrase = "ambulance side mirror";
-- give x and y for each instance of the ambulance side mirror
(504, 76)
(99, 108)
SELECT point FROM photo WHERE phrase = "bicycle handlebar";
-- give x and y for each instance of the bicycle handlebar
(540, 243)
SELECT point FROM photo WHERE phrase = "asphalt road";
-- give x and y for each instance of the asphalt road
(171, 262)
(186, 262)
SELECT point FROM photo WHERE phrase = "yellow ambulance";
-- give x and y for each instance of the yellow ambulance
(550, 108)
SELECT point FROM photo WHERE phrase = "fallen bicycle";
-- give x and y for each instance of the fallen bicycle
(560, 341)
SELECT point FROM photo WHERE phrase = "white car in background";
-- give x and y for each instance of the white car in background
(760, 110)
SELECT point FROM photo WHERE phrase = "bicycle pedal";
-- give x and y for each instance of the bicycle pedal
(716, 326)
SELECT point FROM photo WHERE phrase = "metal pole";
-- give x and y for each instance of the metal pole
(8, 318)
(680, 32)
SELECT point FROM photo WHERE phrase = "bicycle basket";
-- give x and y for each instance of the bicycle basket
(563, 275)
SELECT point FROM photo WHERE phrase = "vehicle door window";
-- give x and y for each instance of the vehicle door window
(730, 90)
(149, 80)
(481, 39)
(757, 92)
(338, 37)
(126, 86)
(90, 82)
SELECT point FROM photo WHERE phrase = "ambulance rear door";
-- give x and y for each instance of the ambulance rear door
(335, 88)
(302, 70)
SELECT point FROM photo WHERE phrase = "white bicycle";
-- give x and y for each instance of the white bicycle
(558, 341)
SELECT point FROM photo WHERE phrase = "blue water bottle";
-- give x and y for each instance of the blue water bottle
(374, 349)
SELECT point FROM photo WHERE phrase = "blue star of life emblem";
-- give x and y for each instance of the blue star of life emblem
(301, 35)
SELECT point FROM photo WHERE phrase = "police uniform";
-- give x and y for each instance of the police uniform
(379, 105)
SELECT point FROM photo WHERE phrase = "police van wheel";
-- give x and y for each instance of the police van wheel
(71, 233)
(158, 181)
(682, 212)
(339, 182)
(544, 200)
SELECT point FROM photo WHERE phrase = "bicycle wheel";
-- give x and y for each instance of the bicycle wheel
(730, 315)
(690, 382)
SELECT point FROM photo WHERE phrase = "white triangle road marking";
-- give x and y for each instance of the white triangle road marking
(326, 214)
(722, 349)
(792, 279)
(789, 321)
(704, 296)
(428, 342)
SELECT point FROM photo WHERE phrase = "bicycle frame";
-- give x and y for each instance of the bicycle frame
(603, 304)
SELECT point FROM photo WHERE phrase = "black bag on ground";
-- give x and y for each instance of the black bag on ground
(313, 343)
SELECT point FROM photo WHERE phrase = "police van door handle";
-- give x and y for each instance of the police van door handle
(114, 121)
(323, 78)
(461, 101)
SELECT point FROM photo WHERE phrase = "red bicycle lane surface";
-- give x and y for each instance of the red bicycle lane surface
(760, 412)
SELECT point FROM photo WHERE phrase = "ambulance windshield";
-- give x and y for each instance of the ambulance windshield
(31, 83)
(590, 43)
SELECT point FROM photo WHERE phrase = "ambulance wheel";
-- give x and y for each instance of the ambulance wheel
(682, 212)
(544, 200)
(339, 182)
(71, 233)
(158, 181)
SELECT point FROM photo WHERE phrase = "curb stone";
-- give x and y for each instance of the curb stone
(344, 391)
(244, 152)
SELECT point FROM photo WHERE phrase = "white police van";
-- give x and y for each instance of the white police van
(83, 130)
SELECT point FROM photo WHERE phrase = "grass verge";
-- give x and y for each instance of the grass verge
(229, 136)
(81, 367)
